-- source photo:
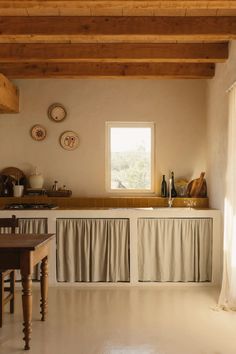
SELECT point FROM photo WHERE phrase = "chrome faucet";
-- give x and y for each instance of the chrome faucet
(170, 201)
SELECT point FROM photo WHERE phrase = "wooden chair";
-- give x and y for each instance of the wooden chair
(7, 275)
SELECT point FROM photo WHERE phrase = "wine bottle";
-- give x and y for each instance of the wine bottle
(173, 190)
(163, 187)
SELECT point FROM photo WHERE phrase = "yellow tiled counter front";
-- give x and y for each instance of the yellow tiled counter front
(108, 202)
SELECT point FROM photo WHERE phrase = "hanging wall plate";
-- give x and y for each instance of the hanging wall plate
(69, 140)
(38, 132)
(57, 112)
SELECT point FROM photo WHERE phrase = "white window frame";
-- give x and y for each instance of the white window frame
(110, 125)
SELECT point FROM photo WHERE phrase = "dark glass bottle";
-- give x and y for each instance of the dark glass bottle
(173, 190)
(163, 187)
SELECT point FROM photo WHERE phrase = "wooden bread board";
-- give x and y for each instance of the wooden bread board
(197, 187)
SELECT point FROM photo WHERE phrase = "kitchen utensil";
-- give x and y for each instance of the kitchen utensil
(13, 172)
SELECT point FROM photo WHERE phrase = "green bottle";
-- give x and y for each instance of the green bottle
(163, 187)
(173, 190)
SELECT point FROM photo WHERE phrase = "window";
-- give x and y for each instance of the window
(130, 157)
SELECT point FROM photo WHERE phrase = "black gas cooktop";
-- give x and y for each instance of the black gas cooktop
(29, 206)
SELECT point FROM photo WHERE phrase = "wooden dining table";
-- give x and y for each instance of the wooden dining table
(24, 251)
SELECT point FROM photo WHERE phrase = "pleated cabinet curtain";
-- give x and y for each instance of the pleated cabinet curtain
(33, 226)
(93, 250)
(29, 226)
(175, 250)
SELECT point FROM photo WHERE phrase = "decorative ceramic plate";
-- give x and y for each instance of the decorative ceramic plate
(38, 132)
(57, 112)
(69, 140)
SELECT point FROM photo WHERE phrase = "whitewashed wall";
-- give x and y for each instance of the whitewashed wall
(178, 108)
(217, 128)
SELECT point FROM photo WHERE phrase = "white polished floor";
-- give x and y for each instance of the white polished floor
(147, 320)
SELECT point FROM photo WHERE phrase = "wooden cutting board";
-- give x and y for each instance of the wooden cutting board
(197, 187)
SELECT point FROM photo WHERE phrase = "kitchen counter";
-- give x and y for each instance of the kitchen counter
(107, 208)
(132, 215)
(110, 212)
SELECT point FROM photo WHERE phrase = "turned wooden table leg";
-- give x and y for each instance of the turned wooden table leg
(27, 308)
(44, 288)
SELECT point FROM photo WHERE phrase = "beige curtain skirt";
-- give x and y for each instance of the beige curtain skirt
(93, 250)
(175, 250)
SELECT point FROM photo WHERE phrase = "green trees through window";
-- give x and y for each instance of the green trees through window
(130, 154)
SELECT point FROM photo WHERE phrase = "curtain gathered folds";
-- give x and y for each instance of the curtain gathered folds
(33, 226)
(175, 250)
(227, 299)
(29, 226)
(92, 250)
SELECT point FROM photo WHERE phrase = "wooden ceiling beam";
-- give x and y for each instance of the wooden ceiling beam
(119, 52)
(108, 70)
(115, 29)
(9, 96)
(117, 7)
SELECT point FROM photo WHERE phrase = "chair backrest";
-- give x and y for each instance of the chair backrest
(11, 223)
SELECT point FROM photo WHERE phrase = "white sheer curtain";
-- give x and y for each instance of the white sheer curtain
(227, 298)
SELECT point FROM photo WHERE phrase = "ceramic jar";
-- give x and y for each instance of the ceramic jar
(36, 181)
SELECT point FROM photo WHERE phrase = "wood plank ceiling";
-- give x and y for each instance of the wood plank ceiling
(116, 38)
